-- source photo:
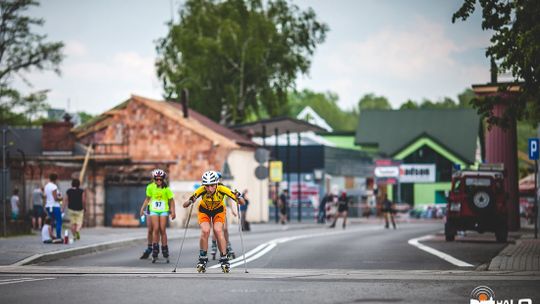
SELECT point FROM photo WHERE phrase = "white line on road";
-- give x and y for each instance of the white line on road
(264, 248)
(22, 280)
(450, 259)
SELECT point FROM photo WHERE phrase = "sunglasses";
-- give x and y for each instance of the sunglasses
(158, 179)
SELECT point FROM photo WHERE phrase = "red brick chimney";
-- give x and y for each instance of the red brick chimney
(56, 137)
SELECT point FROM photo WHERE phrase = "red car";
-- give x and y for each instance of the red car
(477, 201)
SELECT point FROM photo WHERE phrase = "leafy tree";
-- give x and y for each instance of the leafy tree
(85, 116)
(238, 57)
(370, 101)
(465, 98)
(326, 105)
(516, 47)
(409, 105)
(22, 50)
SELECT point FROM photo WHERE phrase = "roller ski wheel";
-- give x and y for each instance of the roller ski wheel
(155, 252)
(213, 250)
(154, 259)
(146, 254)
(201, 265)
(165, 252)
(213, 255)
(231, 255)
(225, 266)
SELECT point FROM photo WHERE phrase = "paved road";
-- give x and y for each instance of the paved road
(362, 264)
(358, 247)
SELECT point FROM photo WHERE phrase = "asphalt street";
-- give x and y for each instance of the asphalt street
(361, 264)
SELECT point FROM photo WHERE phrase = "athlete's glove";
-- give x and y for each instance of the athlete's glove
(188, 202)
(237, 193)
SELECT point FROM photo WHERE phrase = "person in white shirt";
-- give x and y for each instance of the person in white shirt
(53, 198)
(15, 204)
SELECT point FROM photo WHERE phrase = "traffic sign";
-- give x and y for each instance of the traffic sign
(262, 155)
(533, 148)
(276, 171)
(261, 172)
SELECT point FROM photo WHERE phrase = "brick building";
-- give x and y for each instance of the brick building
(130, 140)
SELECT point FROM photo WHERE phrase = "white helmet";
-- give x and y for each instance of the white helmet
(210, 178)
(159, 173)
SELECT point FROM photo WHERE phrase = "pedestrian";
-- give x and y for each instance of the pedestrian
(15, 204)
(76, 206)
(212, 209)
(243, 209)
(53, 206)
(37, 207)
(47, 236)
(388, 212)
(342, 209)
(161, 200)
(283, 205)
(321, 215)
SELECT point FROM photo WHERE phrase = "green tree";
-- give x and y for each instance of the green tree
(516, 47)
(465, 98)
(409, 105)
(326, 105)
(238, 58)
(22, 50)
(370, 101)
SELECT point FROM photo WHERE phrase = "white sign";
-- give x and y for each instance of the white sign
(417, 173)
(387, 171)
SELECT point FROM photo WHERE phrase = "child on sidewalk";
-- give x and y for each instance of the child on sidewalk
(47, 235)
(212, 209)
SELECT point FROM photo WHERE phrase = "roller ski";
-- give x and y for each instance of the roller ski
(201, 265)
(155, 252)
(214, 249)
(225, 266)
(165, 252)
(146, 253)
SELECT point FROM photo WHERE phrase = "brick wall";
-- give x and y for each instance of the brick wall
(56, 136)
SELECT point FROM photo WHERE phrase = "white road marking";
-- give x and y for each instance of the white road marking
(264, 248)
(22, 280)
(450, 259)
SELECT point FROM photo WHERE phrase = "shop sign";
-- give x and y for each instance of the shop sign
(417, 173)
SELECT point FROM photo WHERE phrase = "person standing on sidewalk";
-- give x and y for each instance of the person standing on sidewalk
(388, 212)
(53, 206)
(212, 209)
(76, 206)
(15, 204)
(161, 201)
(37, 202)
(283, 206)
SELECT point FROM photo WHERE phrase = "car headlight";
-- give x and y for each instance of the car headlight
(455, 207)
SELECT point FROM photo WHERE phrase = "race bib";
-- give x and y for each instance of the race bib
(158, 206)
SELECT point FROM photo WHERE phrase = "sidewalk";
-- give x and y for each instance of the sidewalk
(28, 249)
(524, 255)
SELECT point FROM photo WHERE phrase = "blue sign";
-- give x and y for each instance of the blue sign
(533, 148)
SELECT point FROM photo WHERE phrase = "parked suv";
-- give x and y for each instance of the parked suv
(477, 201)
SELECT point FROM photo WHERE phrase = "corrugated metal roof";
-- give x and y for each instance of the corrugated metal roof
(391, 130)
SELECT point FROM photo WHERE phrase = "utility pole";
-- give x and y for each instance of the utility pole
(4, 177)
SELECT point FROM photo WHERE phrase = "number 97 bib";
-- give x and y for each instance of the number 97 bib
(158, 206)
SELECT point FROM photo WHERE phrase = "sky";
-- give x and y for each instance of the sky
(402, 50)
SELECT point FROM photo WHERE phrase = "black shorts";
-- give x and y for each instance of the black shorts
(38, 211)
(343, 208)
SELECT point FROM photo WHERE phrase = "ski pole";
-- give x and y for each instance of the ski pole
(240, 224)
(183, 239)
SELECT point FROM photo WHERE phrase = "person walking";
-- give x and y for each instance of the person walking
(161, 201)
(212, 209)
(37, 207)
(388, 212)
(321, 215)
(243, 209)
(76, 205)
(53, 203)
(283, 205)
(342, 209)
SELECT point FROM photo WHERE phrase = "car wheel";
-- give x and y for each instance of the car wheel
(449, 232)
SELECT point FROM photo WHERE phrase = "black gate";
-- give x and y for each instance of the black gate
(123, 199)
